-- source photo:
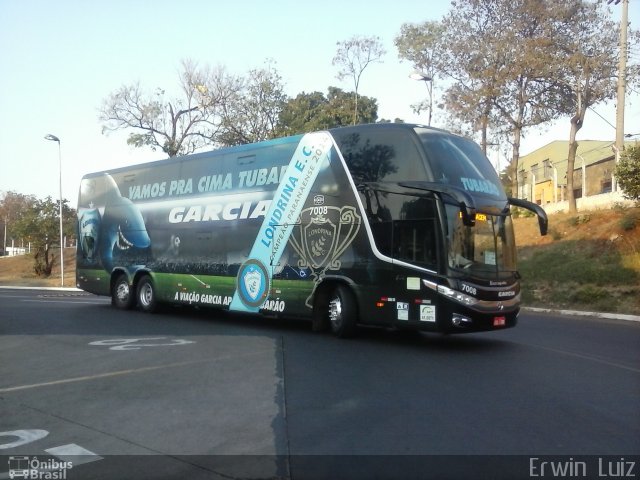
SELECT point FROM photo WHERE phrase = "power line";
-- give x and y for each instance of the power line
(608, 122)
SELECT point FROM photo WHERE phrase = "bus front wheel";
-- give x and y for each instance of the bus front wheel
(342, 311)
(121, 293)
(146, 294)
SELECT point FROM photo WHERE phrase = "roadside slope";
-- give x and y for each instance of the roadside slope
(588, 261)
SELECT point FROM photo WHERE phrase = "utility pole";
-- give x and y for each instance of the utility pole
(622, 81)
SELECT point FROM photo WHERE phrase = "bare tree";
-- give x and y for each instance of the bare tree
(353, 57)
(251, 113)
(502, 56)
(177, 126)
(590, 63)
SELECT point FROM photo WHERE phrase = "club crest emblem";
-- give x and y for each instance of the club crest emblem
(253, 283)
(321, 236)
(319, 240)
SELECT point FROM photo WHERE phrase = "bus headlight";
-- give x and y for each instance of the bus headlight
(457, 296)
(458, 320)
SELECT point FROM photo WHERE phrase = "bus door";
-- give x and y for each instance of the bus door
(405, 228)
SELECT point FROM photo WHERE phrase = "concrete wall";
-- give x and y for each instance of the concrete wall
(604, 201)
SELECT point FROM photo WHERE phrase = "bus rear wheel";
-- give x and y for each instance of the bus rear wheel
(146, 294)
(342, 312)
(121, 293)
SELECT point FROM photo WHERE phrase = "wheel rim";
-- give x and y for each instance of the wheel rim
(335, 311)
(146, 295)
(122, 291)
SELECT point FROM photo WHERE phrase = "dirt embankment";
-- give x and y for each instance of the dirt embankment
(18, 271)
(588, 261)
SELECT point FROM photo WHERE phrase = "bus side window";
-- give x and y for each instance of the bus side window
(414, 241)
(382, 234)
(380, 220)
(414, 235)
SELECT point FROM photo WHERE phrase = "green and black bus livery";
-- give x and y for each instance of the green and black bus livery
(392, 225)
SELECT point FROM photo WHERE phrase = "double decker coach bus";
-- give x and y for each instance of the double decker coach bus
(393, 225)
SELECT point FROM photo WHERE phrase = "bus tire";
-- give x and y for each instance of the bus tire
(121, 293)
(146, 295)
(342, 311)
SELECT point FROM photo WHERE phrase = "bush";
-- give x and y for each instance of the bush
(627, 172)
(630, 220)
(555, 233)
(579, 220)
(620, 207)
(517, 212)
(588, 294)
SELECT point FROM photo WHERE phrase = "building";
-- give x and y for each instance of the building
(542, 175)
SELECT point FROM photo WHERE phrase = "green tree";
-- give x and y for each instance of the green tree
(627, 172)
(309, 112)
(12, 207)
(353, 57)
(39, 224)
(340, 103)
(303, 113)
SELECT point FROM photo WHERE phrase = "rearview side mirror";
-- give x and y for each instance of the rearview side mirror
(543, 221)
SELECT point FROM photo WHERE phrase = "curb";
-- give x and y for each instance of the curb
(579, 313)
(60, 289)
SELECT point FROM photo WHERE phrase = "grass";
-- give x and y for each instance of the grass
(18, 271)
(588, 261)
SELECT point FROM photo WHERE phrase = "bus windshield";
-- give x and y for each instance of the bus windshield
(486, 250)
(459, 162)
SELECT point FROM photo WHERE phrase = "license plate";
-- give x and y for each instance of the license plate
(499, 321)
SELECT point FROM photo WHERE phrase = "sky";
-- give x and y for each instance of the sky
(60, 59)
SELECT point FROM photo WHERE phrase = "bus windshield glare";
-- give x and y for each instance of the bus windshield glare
(459, 162)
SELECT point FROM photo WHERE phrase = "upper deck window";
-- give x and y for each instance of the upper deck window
(380, 155)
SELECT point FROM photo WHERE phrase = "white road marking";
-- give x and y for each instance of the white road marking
(130, 371)
(94, 377)
(132, 343)
(74, 453)
(25, 436)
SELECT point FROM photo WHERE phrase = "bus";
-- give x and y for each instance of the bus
(392, 225)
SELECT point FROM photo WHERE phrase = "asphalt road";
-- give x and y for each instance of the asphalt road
(201, 394)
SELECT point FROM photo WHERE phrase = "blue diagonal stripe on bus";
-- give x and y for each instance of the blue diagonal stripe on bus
(252, 285)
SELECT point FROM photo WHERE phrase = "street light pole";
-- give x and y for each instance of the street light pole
(53, 138)
(421, 77)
